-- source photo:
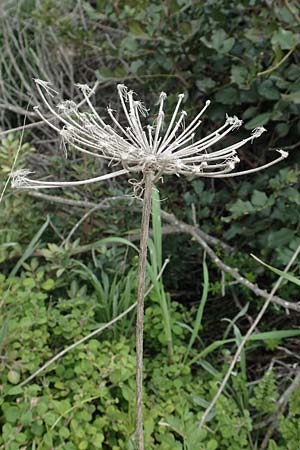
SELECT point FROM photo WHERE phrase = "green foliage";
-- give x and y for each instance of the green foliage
(262, 215)
(86, 399)
(18, 217)
(112, 293)
(240, 63)
(156, 336)
(288, 426)
(233, 425)
(195, 45)
(265, 394)
(267, 211)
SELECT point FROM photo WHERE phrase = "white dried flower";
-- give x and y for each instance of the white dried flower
(164, 149)
(67, 106)
(84, 88)
(19, 178)
(47, 86)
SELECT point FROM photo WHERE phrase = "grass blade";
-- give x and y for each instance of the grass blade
(240, 314)
(265, 336)
(284, 275)
(199, 316)
(30, 248)
(110, 240)
(99, 289)
(156, 226)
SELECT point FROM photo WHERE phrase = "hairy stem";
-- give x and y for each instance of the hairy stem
(140, 307)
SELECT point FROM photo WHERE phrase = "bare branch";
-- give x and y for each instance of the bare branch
(193, 231)
(200, 236)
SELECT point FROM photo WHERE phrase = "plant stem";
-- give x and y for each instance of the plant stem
(148, 180)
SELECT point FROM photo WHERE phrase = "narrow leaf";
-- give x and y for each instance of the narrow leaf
(284, 275)
(30, 248)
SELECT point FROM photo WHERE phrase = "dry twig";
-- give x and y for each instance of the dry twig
(178, 226)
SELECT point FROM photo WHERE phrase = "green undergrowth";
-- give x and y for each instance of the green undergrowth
(86, 400)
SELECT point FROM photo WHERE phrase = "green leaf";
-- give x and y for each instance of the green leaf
(130, 43)
(267, 90)
(285, 39)
(101, 242)
(30, 248)
(258, 121)
(48, 439)
(13, 376)
(136, 29)
(98, 440)
(199, 316)
(240, 208)
(275, 334)
(227, 96)
(104, 74)
(249, 112)
(64, 432)
(212, 445)
(292, 72)
(282, 129)
(26, 418)
(198, 187)
(285, 275)
(294, 97)
(265, 336)
(239, 75)
(219, 41)
(259, 198)
(156, 225)
(48, 285)
(16, 390)
(205, 84)
(280, 237)
(12, 414)
(136, 65)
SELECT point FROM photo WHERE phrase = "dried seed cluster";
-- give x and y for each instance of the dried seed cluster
(171, 148)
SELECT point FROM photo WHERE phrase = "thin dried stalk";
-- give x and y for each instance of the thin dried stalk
(148, 180)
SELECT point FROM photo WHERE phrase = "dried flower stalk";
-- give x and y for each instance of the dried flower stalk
(140, 148)
(152, 150)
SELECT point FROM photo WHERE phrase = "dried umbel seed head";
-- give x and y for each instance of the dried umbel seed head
(168, 147)
(19, 178)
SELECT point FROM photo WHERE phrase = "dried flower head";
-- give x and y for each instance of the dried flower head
(163, 148)
(171, 148)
